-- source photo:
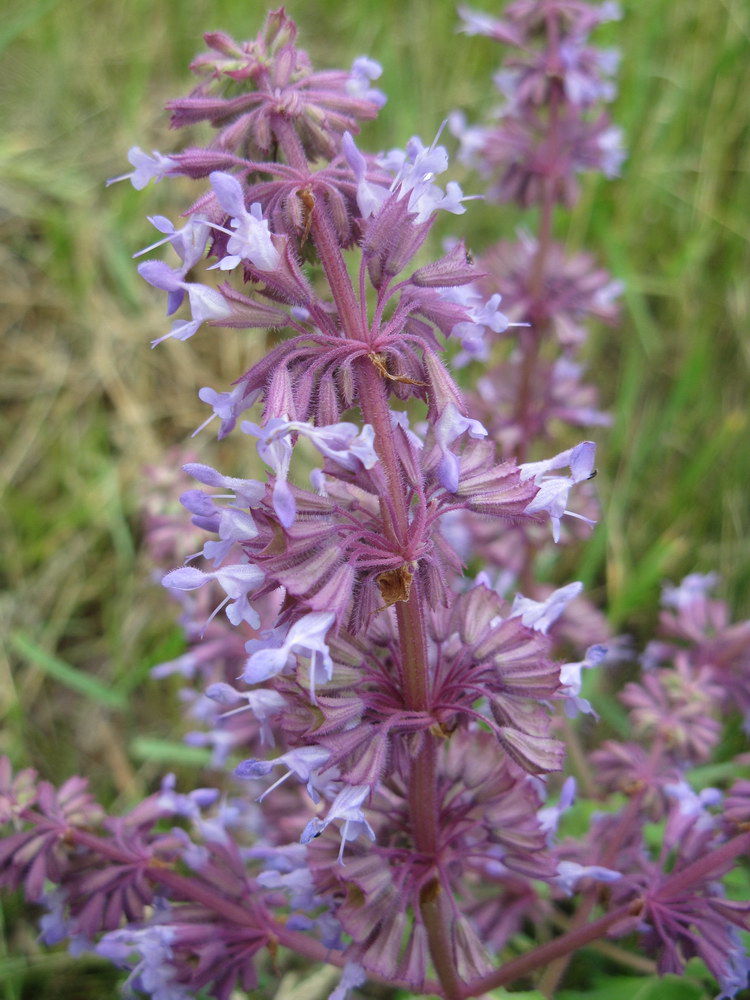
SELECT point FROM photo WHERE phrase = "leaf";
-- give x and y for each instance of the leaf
(714, 774)
(614, 988)
(70, 676)
(669, 987)
(168, 752)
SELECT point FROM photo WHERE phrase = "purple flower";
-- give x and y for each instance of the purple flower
(679, 705)
(276, 451)
(236, 580)
(370, 196)
(697, 626)
(691, 809)
(147, 168)
(477, 23)
(189, 805)
(189, 242)
(419, 708)
(569, 874)
(570, 678)
(364, 71)
(549, 816)
(304, 763)
(682, 917)
(249, 492)
(264, 705)
(246, 84)
(483, 314)
(353, 975)
(553, 490)
(343, 443)
(32, 856)
(506, 663)
(450, 425)
(471, 137)
(305, 638)
(227, 406)
(148, 953)
(587, 72)
(575, 289)
(346, 808)
(251, 239)
(415, 169)
(56, 925)
(693, 589)
(607, 151)
(206, 303)
(298, 884)
(234, 526)
(542, 615)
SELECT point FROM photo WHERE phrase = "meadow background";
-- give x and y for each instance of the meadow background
(86, 404)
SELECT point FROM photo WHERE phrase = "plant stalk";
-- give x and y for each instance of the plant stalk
(373, 402)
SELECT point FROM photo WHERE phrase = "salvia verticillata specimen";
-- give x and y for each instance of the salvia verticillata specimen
(395, 726)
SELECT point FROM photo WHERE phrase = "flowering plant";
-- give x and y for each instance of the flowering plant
(412, 833)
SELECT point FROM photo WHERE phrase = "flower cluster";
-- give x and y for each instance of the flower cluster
(551, 126)
(392, 726)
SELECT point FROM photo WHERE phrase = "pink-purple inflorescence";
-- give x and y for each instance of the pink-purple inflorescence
(394, 726)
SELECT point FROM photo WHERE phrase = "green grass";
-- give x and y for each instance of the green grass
(86, 404)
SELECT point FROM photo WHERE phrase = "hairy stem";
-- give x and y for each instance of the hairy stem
(435, 914)
(372, 397)
(706, 866)
(620, 955)
(556, 969)
(526, 964)
(423, 790)
(251, 916)
(531, 341)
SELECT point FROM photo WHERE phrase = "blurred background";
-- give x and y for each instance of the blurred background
(86, 404)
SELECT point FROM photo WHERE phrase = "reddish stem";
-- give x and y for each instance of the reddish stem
(251, 916)
(373, 401)
(556, 970)
(532, 339)
(705, 866)
(524, 965)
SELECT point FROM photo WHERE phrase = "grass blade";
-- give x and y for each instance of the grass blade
(63, 672)
(168, 752)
